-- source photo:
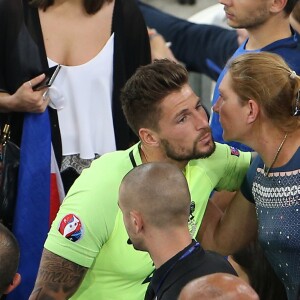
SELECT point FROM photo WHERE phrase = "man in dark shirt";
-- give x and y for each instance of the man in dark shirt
(155, 202)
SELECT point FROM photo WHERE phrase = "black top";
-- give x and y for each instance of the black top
(190, 263)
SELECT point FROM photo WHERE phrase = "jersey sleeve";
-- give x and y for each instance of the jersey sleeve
(232, 165)
(86, 216)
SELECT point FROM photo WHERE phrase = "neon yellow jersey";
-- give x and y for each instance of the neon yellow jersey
(89, 229)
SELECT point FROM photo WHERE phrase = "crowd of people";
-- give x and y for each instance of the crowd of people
(122, 134)
(172, 125)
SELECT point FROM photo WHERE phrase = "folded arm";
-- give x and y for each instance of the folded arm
(230, 231)
(58, 278)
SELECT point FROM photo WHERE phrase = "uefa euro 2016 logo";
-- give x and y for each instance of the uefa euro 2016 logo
(71, 228)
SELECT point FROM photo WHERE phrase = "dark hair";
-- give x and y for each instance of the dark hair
(144, 91)
(261, 275)
(9, 258)
(290, 4)
(266, 78)
(91, 6)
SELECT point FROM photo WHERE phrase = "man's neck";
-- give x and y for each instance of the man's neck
(265, 34)
(168, 245)
(151, 154)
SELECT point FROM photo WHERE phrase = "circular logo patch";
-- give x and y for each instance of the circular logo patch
(71, 228)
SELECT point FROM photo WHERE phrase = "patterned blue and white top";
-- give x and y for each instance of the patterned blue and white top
(277, 201)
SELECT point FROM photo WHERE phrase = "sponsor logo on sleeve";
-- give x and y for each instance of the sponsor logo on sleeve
(71, 227)
(234, 151)
(192, 221)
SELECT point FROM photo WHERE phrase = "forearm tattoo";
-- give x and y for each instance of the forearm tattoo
(58, 278)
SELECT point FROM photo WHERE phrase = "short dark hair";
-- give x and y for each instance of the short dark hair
(144, 91)
(151, 187)
(9, 258)
(91, 6)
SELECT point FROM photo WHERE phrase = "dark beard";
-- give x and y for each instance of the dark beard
(195, 154)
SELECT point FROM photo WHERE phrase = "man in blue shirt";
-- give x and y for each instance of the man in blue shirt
(260, 18)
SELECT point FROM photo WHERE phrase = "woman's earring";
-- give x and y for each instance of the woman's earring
(297, 106)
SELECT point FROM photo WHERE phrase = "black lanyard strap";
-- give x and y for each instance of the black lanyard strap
(132, 159)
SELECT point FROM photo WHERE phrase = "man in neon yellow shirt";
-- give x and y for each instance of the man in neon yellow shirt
(86, 254)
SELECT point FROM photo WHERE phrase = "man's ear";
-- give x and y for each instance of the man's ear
(278, 6)
(148, 137)
(136, 221)
(253, 111)
(16, 281)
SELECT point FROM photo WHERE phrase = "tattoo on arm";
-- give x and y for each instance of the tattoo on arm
(58, 278)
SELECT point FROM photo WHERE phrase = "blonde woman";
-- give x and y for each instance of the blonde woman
(259, 105)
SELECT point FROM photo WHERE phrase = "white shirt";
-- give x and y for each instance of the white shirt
(85, 121)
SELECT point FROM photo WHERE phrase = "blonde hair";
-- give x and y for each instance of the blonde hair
(267, 79)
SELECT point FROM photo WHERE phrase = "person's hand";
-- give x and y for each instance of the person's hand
(159, 47)
(26, 99)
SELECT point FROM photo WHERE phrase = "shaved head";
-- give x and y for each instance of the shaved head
(159, 191)
(9, 258)
(218, 286)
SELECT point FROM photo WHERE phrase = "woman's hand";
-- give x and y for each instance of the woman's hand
(25, 99)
